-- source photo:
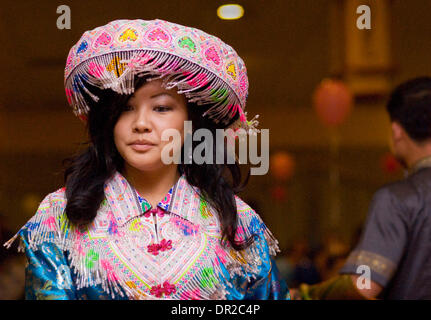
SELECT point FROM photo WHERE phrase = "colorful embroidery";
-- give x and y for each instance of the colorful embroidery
(103, 40)
(128, 35)
(186, 42)
(82, 47)
(116, 67)
(212, 55)
(231, 70)
(129, 48)
(121, 251)
(205, 213)
(159, 35)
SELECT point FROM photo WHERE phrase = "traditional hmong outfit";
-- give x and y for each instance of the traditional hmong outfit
(133, 251)
(395, 243)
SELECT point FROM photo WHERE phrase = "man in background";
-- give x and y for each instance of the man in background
(395, 245)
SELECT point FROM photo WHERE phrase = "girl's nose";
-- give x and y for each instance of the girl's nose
(142, 123)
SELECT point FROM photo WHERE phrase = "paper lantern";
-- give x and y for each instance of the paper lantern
(332, 101)
(282, 166)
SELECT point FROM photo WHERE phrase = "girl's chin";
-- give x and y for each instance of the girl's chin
(147, 165)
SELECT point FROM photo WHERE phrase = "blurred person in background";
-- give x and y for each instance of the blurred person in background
(331, 256)
(297, 264)
(394, 245)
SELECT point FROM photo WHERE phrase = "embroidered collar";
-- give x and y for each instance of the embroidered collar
(182, 200)
(423, 163)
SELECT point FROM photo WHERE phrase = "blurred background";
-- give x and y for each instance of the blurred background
(318, 82)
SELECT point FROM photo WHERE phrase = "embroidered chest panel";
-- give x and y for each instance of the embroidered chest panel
(172, 251)
(154, 255)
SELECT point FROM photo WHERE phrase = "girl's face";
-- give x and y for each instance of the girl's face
(138, 131)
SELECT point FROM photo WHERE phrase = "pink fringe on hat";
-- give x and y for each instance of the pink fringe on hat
(199, 65)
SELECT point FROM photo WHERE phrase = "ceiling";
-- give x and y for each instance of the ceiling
(284, 43)
(276, 39)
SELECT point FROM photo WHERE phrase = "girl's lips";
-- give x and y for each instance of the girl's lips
(141, 147)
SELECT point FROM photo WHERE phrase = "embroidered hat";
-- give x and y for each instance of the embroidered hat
(199, 65)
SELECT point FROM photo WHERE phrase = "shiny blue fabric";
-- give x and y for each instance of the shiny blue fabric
(49, 277)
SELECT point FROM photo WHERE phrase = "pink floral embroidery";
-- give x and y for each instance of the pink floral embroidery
(157, 291)
(154, 248)
(165, 245)
(155, 211)
(147, 214)
(166, 289)
(162, 246)
(169, 288)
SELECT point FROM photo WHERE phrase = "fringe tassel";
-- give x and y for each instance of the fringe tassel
(117, 71)
(54, 227)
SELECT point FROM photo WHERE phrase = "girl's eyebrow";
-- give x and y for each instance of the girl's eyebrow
(162, 94)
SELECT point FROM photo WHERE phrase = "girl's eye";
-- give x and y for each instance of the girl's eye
(128, 107)
(162, 108)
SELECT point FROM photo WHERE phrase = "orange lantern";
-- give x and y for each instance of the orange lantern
(282, 166)
(332, 101)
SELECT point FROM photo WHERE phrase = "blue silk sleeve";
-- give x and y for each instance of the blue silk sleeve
(47, 274)
(265, 283)
(268, 285)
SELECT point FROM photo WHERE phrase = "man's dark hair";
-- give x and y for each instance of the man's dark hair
(410, 106)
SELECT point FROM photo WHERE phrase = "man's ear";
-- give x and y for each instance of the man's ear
(398, 132)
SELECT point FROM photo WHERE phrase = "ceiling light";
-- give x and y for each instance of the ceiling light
(230, 11)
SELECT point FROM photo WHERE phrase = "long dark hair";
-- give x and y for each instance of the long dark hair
(86, 172)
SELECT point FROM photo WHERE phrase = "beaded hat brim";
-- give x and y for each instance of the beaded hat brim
(201, 66)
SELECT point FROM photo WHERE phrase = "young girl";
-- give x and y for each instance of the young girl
(128, 225)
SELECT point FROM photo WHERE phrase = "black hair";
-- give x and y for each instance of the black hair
(86, 172)
(410, 106)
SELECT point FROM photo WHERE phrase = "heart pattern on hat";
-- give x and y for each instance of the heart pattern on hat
(186, 42)
(82, 47)
(173, 49)
(211, 55)
(231, 70)
(159, 35)
(128, 35)
(103, 40)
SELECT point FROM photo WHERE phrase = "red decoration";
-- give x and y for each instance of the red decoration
(390, 164)
(332, 102)
(279, 193)
(282, 166)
